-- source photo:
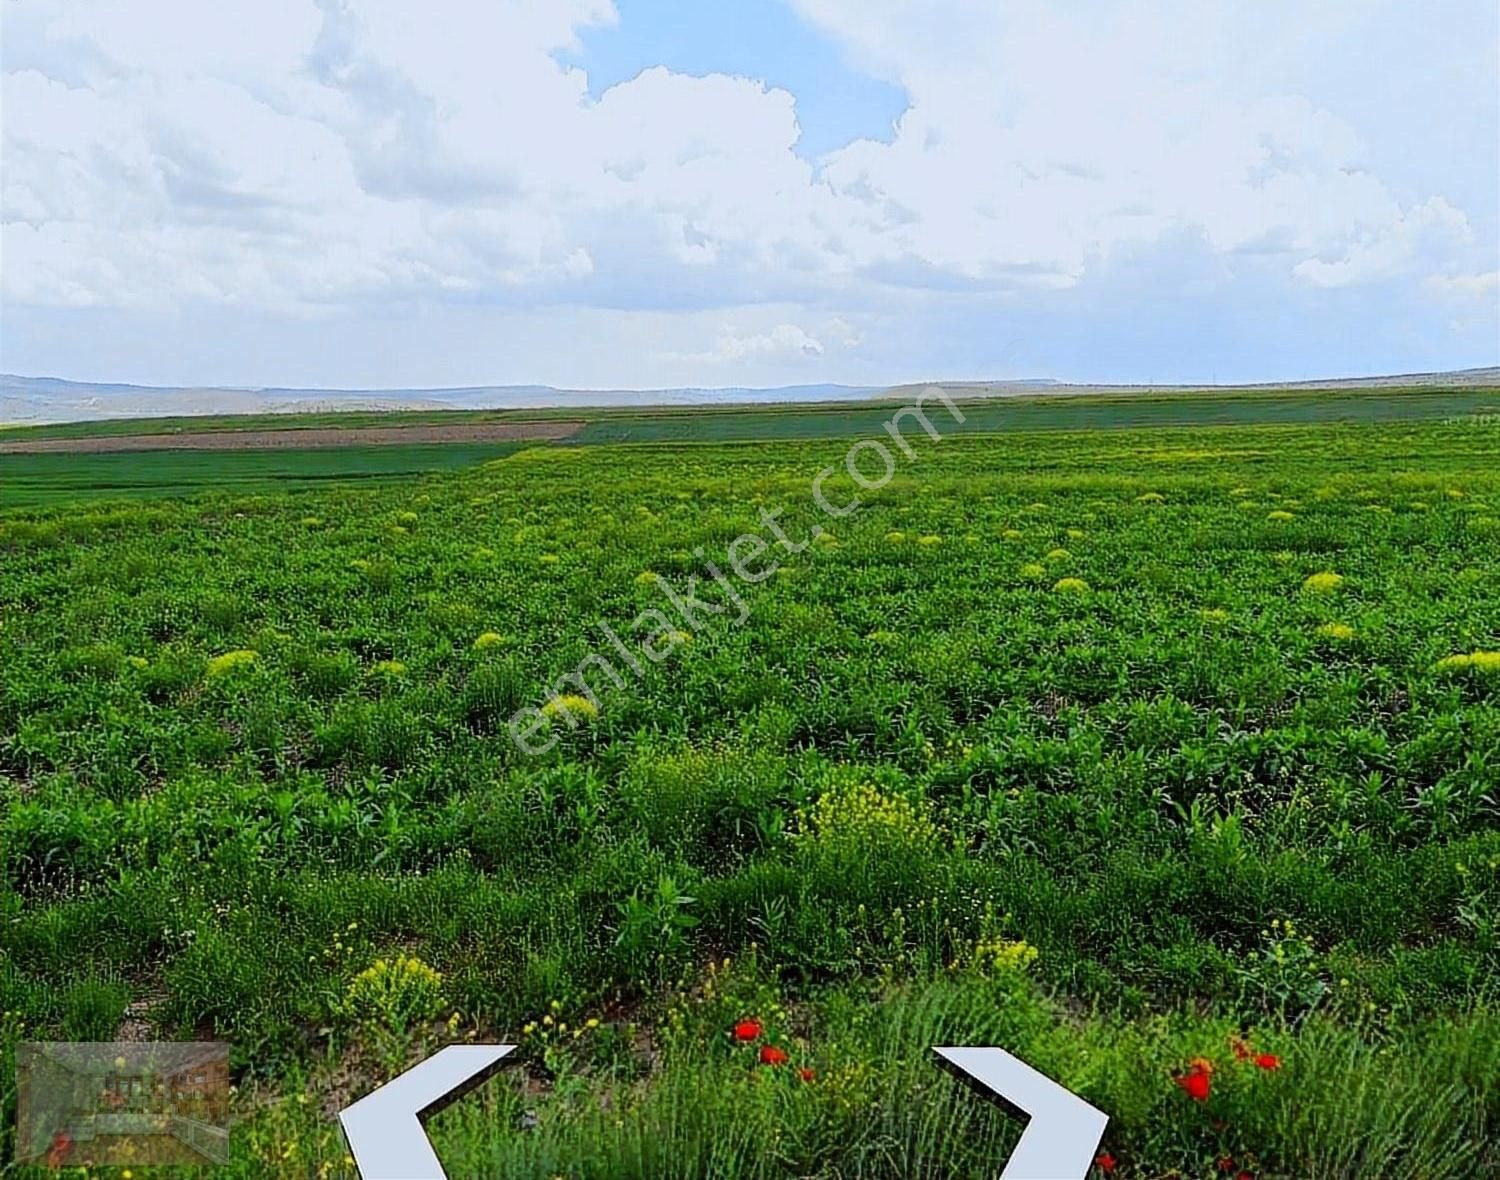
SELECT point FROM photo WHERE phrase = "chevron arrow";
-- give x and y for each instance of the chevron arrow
(384, 1128)
(1063, 1133)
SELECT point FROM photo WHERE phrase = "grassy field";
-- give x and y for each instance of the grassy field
(1167, 758)
(27, 480)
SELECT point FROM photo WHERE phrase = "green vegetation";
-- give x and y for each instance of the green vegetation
(1059, 742)
(1076, 412)
(60, 478)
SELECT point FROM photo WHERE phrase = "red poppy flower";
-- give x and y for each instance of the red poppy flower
(1268, 1061)
(771, 1055)
(748, 1030)
(1105, 1162)
(1244, 1176)
(1198, 1080)
(1226, 1163)
(807, 1075)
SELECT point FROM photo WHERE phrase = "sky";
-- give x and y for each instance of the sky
(378, 193)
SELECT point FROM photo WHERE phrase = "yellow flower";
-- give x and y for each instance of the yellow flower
(488, 640)
(576, 707)
(646, 578)
(1012, 534)
(1280, 514)
(1323, 583)
(1214, 614)
(1340, 631)
(930, 540)
(1070, 586)
(1477, 661)
(392, 668)
(1003, 955)
(895, 536)
(231, 661)
(1058, 555)
(549, 559)
(407, 518)
(1150, 498)
(1033, 570)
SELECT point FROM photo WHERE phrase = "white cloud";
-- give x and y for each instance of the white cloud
(314, 158)
(1476, 287)
(783, 342)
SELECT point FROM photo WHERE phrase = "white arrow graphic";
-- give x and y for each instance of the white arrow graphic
(1064, 1132)
(384, 1128)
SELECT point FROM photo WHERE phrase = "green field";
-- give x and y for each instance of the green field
(1080, 412)
(1122, 749)
(27, 480)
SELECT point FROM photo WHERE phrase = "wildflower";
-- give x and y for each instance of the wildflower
(1241, 1048)
(1005, 955)
(407, 517)
(1280, 514)
(647, 578)
(488, 640)
(929, 540)
(1033, 570)
(576, 707)
(748, 1030)
(1226, 1163)
(1197, 1080)
(1267, 1061)
(549, 559)
(1151, 498)
(1075, 534)
(807, 1075)
(1213, 614)
(392, 668)
(1012, 534)
(1058, 555)
(311, 522)
(1323, 583)
(895, 536)
(1478, 661)
(771, 1055)
(1105, 1162)
(1070, 586)
(231, 661)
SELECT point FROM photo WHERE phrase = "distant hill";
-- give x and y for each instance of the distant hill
(1484, 378)
(41, 400)
(37, 400)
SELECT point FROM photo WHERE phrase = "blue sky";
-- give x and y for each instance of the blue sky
(757, 192)
(762, 39)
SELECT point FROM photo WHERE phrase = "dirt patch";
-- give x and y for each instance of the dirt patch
(297, 440)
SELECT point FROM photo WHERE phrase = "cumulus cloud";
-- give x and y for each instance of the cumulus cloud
(782, 342)
(319, 157)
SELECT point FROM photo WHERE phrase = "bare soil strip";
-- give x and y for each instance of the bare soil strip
(299, 440)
